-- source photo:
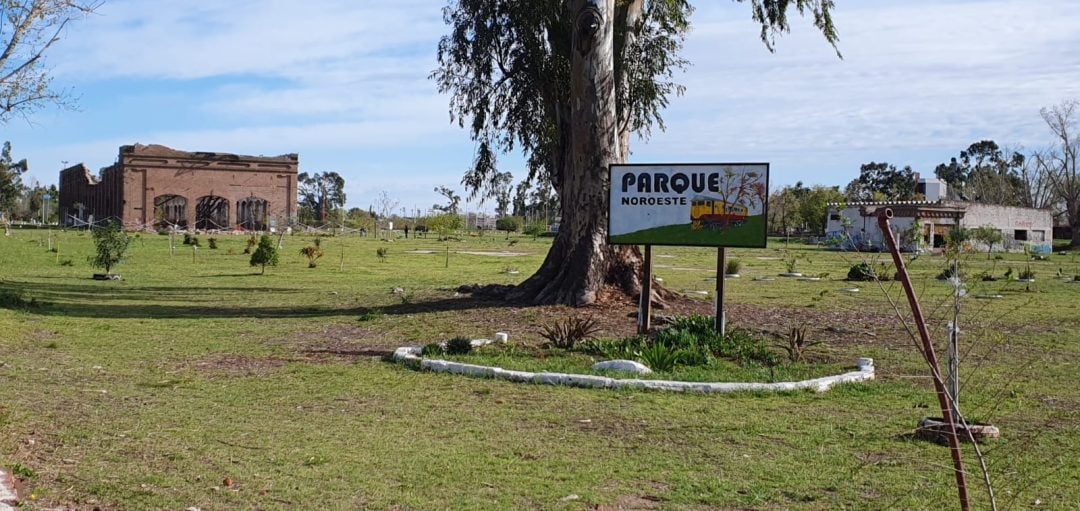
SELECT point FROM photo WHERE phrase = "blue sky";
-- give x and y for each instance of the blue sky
(344, 84)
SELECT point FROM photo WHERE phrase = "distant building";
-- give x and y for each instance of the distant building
(854, 225)
(154, 187)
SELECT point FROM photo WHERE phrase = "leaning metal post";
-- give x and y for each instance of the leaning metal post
(928, 350)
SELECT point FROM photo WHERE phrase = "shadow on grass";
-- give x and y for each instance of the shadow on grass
(102, 300)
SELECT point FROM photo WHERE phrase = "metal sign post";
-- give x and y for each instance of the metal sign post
(720, 321)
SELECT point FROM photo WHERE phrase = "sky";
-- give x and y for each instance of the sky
(344, 83)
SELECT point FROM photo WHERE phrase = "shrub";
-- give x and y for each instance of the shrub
(15, 301)
(948, 273)
(459, 346)
(659, 357)
(195, 241)
(534, 231)
(432, 349)
(1026, 273)
(749, 349)
(381, 253)
(568, 332)
(187, 238)
(265, 254)
(615, 349)
(313, 253)
(732, 267)
(111, 242)
(791, 264)
(508, 224)
(797, 344)
(213, 243)
(251, 242)
(861, 272)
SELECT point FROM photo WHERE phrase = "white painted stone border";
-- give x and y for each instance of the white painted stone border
(412, 356)
(8, 499)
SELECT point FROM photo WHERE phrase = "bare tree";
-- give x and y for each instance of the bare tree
(386, 205)
(28, 28)
(1059, 163)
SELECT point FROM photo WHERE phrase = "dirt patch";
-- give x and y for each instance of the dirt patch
(338, 342)
(495, 254)
(632, 503)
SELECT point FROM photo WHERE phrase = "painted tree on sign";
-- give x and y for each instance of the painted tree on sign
(567, 82)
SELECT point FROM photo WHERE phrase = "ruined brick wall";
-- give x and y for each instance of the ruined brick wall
(83, 196)
(160, 187)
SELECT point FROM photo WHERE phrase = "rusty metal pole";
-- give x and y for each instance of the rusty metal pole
(928, 349)
(645, 300)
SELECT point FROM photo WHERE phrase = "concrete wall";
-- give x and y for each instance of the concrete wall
(1036, 225)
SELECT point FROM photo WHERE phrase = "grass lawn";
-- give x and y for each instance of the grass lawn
(148, 393)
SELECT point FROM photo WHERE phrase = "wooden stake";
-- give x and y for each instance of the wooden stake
(645, 301)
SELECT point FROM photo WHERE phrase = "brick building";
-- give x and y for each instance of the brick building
(153, 186)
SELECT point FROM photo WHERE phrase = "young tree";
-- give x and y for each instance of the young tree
(1061, 163)
(10, 180)
(883, 180)
(28, 28)
(110, 243)
(445, 224)
(987, 235)
(568, 82)
(509, 224)
(321, 192)
(266, 253)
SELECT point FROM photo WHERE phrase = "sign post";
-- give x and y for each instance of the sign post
(699, 205)
(645, 301)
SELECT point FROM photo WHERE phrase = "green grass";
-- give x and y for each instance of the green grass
(750, 234)
(148, 392)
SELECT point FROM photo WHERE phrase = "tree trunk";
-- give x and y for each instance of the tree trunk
(581, 263)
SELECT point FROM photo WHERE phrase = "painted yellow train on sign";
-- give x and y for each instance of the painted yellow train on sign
(714, 213)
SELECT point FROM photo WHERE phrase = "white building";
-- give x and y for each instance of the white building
(923, 225)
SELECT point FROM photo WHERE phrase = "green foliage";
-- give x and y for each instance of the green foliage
(110, 243)
(882, 181)
(213, 243)
(1026, 273)
(187, 238)
(446, 224)
(265, 254)
(732, 267)
(459, 346)
(791, 264)
(319, 193)
(432, 349)
(534, 230)
(22, 471)
(987, 235)
(195, 242)
(659, 357)
(251, 242)
(10, 179)
(508, 224)
(381, 253)
(312, 253)
(567, 333)
(862, 272)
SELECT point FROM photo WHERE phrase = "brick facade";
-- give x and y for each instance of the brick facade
(153, 186)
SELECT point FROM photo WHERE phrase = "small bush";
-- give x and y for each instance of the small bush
(1026, 273)
(265, 254)
(187, 238)
(381, 253)
(213, 243)
(313, 253)
(861, 272)
(797, 344)
(67, 262)
(732, 267)
(568, 332)
(749, 349)
(659, 357)
(195, 241)
(459, 346)
(432, 350)
(534, 231)
(947, 273)
(251, 242)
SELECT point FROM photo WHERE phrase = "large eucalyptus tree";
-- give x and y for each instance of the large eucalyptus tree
(567, 82)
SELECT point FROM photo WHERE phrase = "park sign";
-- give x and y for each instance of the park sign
(704, 205)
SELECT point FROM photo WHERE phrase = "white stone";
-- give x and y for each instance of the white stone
(628, 366)
(865, 364)
(501, 337)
